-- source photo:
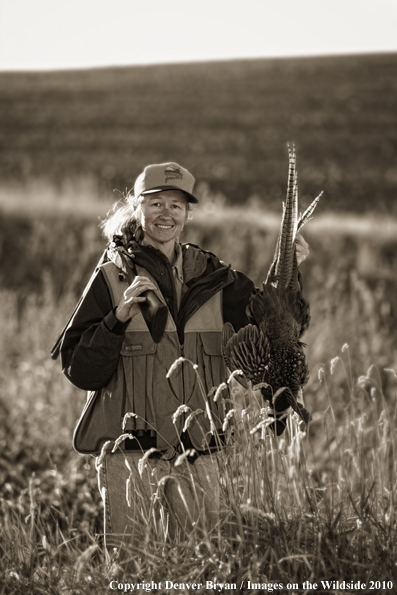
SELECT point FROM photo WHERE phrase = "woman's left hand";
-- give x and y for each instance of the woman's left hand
(302, 249)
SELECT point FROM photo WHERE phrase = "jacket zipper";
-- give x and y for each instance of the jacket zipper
(182, 350)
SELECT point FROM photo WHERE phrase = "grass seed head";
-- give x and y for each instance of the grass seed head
(334, 361)
(126, 417)
(190, 418)
(219, 390)
(229, 414)
(233, 374)
(121, 439)
(180, 411)
(142, 461)
(188, 453)
(174, 366)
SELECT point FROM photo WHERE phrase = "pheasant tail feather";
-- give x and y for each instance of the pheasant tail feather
(286, 241)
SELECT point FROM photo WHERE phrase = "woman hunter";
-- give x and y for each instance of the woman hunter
(121, 352)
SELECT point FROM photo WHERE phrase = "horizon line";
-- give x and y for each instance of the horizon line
(287, 55)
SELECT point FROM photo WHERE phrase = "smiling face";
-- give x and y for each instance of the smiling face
(163, 215)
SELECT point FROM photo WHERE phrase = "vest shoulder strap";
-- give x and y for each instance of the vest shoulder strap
(116, 281)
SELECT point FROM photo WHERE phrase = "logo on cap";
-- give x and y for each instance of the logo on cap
(172, 173)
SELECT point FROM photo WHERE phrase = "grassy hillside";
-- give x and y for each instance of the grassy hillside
(228, 122)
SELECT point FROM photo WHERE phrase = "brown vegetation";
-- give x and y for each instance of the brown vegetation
(320, 507)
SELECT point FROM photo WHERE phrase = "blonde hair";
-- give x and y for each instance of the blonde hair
(124, 219)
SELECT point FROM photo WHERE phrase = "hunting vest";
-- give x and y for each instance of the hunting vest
(140, 385)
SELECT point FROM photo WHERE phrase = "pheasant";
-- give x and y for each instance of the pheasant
(269, 350)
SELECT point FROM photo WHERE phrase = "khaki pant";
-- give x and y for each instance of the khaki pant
(157, 495)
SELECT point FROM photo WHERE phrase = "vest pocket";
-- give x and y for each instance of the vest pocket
(138, 351)
(212, 343)
(100, 419)
(211, 369)
(212, 365)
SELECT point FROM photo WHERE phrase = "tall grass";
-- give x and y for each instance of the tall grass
(310, 505)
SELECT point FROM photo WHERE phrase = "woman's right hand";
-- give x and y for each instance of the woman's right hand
(129, 304)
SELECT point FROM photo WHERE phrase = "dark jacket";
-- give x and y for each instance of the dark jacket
(91, 344)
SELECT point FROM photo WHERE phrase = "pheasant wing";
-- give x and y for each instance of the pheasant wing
(248, 350)
(227, 333)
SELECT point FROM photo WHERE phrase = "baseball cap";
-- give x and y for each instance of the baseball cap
(165, 176)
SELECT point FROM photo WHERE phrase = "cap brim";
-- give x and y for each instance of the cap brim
(190, 197)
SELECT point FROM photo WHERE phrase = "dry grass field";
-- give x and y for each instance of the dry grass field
(316, 506)
(307, 507)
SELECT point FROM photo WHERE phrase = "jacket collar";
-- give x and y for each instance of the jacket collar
(192, 262)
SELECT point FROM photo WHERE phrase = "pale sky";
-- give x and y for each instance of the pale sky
(56, 34)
